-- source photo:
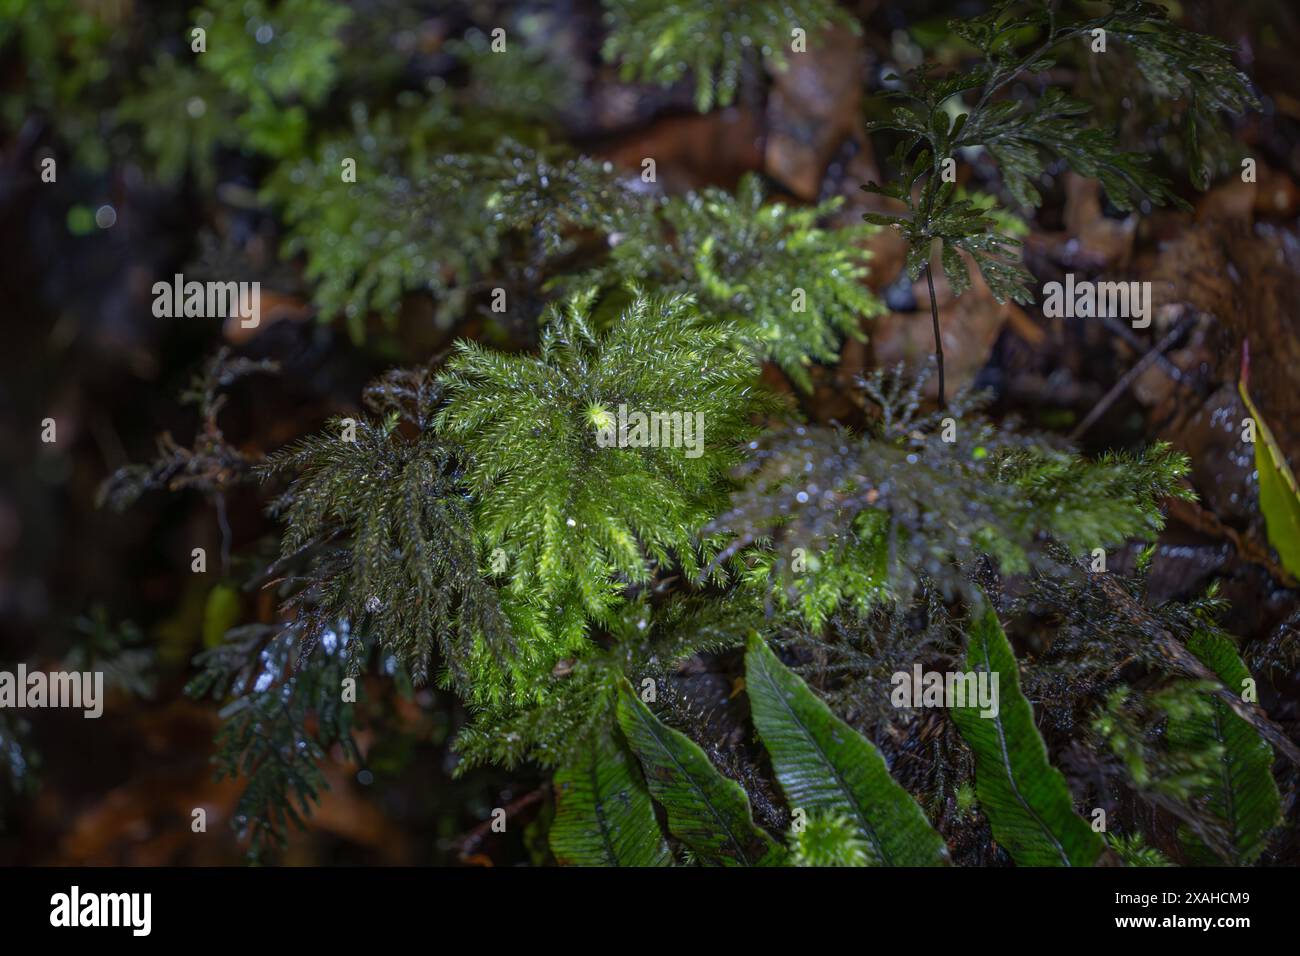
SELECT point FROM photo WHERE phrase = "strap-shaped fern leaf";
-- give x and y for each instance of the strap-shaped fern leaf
(706, 811)
(1244, 795)
(1024, 797)
(603, 813)
(824, 765)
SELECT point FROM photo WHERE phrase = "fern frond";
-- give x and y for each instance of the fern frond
(1024, 797)
(603, 814)
(1241, 793)
(826, 767)
(706, 811)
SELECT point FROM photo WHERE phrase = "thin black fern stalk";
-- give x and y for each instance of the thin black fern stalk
(1129, 377)
(938, 337)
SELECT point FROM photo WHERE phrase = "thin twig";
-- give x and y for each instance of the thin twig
(466, 845)
(1127, 379)
(224, 523)
(1174, 373)
(1207, 522)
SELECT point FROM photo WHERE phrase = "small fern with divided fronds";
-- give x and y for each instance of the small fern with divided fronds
(1026, 129)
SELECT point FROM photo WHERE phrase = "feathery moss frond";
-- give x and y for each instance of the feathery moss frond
(585, 497)
(282, 59)
(658, 41)
(282, 714)
(435, 229)
(395, 554)
(792, 288)
(828, 839)
(575, 699)
(928, 500)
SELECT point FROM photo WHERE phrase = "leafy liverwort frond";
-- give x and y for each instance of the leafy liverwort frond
(793, 288)
(435, 229)
(184, 115)
(544, 193)
(1023, 38)
(281, 58)
(1166, 761)
(923, 499)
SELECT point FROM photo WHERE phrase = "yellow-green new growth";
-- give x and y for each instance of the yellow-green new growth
(658, 41)
(584, 500)
(793, 288)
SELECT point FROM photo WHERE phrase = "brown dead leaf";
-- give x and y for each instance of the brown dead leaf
(969, 326)
(1090, 241)
(694, 151)
(275, 307)
(1232, 200)
(1277, 196)
(1272, 196)
(813, 107)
